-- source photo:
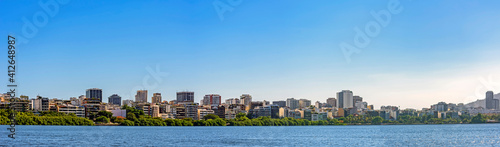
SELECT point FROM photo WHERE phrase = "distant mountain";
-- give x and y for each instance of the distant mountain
(478, 103)
(481, 102)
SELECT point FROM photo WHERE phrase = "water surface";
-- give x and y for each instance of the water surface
(370, 135)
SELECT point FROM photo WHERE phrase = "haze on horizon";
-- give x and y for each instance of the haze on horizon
(273, 50)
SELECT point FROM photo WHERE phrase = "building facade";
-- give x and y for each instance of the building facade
(232, 101)
(40, 104)
(155, 110)
(332, 102)
(292, 103)
(92, 106)
(345, 99)
(280, 103)
(304, 103)
(187, 111)
(141, 96)
(204, 112)
(220, 111)
(128, 102)
(156, 98)
(212, 100)
(94, 93)
(77, 110)
(356, 99)
(115, 99)
(491, 103)
(246, 99)
(185, 96)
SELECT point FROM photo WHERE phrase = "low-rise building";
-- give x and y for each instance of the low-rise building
(203, 112)
(128, 102)
(155, 110)
(187, 111)
(77, 110)
(116, 113)
(92, 106)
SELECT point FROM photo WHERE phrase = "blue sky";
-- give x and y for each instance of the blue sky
(429, 52)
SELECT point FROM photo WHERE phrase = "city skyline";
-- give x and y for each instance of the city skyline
(338, 100)
(417, 58)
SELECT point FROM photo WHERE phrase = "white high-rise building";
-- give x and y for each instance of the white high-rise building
(345, 99)
(212, 100)
(292, 103)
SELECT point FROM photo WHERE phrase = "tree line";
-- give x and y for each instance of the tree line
(136, 117)
(44, 118)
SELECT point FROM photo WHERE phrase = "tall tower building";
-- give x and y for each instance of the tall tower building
(246, 99)
(491, 103)
(345, 99)
(292, 103)
(212, 100)
(115, 99)
(356, 99)
(141, 96)
(185, 96)
(94, 93)
(156, 98)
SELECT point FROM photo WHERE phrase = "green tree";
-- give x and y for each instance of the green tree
(105, 113)
(170, 122)
(187, 122)
(239, 115)
(102, 119)
(377, 120)
(131, 116)
(478, 119)
(70, 114)
(220, 122)
(4, 120)
(210, 116)
(127, 123)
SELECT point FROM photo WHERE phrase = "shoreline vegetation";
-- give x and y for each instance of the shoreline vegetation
(137, 117)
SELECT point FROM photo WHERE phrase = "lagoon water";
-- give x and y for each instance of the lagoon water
(369, 135)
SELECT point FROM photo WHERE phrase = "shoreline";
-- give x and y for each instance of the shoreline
(267, 126)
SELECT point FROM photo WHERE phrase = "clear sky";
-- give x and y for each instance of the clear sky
(429, 52)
